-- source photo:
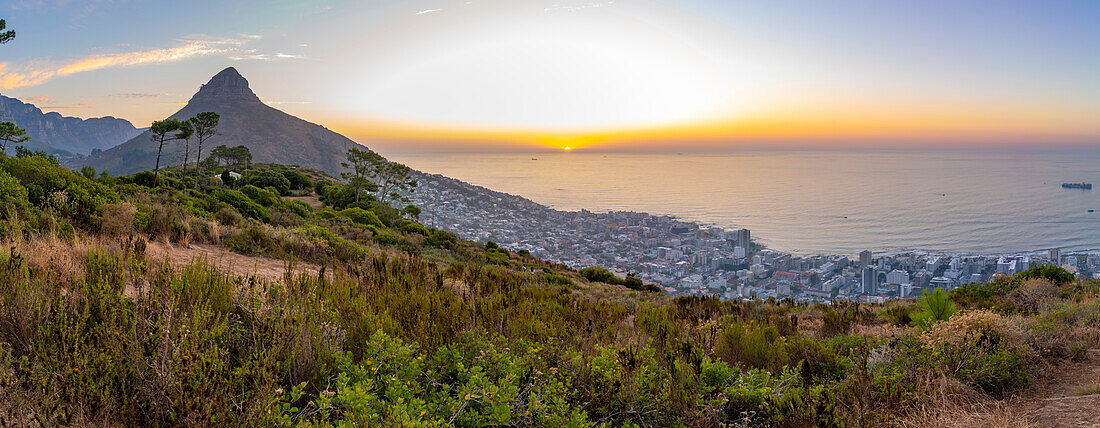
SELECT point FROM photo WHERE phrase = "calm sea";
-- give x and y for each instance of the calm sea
(811, 202)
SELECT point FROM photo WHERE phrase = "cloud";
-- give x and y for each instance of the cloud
(37, 72)
(37, 100)
(427, 11)
(138, 95)
(67, 107)
(576, 7)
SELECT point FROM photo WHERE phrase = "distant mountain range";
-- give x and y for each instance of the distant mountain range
(67, 137)
(271, 135)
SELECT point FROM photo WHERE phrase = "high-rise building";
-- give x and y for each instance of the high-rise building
(1055, 256)
(743, 239)
(897, 276)
(869, 280)
(864, 258)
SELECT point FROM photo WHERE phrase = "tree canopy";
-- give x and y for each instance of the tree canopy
(9, 133)
(5, 36)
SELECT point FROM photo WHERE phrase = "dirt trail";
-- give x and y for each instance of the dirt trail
(1053, 403)
(263, 267)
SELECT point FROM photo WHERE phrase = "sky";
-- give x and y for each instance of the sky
(615, 75)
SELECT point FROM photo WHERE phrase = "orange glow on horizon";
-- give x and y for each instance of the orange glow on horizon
(875, 127)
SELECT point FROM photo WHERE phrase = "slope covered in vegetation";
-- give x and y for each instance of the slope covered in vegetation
(406, 325)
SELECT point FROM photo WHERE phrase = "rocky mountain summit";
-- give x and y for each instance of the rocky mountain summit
(271, 135)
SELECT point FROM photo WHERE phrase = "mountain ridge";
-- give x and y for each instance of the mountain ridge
(271, 135)
(65, 136)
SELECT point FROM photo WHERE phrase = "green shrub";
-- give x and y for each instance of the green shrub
(441, 239)
(361, 217)
(409, 226)
(264, 197)
(240, 202)
(12, 194)
(936, 306)
(264, 178)
(57, 189)
(1055, 274)
(387, 239)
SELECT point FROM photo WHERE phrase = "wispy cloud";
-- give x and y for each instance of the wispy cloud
(37, 72)
(576, 7)
(77, 106)
(36, 100)
(138, 95)
(427, 11)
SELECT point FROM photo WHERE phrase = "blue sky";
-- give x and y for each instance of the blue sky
(589, 70)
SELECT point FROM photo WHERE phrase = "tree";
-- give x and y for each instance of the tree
(412, 211)
(239, 155)
(205, 125)
(9, 133)
(5, 36)
(362, 164)
(391, 177)
(185, 133)
(160, 130)
(937, 306)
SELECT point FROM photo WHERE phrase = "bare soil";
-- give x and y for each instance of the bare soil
(1052, 403)
(239, 264)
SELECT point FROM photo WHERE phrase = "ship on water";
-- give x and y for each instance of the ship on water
(1077, 186)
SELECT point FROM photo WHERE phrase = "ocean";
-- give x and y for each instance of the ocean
(977, 201)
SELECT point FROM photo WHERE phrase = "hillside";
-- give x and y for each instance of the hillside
(131, 305)
(67, 137)
(271, 135)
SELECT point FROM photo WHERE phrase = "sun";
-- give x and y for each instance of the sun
(567, 148)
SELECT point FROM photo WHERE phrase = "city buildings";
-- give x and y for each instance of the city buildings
(691, 259)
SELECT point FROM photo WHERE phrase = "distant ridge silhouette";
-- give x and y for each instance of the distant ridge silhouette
(270, 134)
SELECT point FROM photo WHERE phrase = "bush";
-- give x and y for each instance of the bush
(441, 239)
(936, 306)
(264, 197)
(265, 177)
(982, 349)
(387, 239)
(898, 314)
(228, 216)
(241, 203)
(361, 217)
(409, 226)
(12, 194)
(301, 209)
(1055, 274)
(55, 188)
(298, 181)
(598, 274)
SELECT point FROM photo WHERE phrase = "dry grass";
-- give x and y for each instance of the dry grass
(953, 404)
(1088, 390)
(950, 415)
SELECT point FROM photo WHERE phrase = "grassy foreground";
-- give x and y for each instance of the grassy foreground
(405, 325)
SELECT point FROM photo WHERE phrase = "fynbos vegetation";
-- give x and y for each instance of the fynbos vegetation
(379, 320)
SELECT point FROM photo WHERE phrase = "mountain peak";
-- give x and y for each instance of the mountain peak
(227, 85)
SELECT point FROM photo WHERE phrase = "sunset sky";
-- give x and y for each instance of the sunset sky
(622, 74)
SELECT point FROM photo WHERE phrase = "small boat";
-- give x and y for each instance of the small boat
(1092, 211)
(1081, 185)
(534, 158)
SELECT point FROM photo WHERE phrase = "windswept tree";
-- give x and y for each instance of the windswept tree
(239, 155)
(184, 134)
(160, 130)
(391, 178)
(205, 125)
(361, 165)
(5, 36)
(9, 133)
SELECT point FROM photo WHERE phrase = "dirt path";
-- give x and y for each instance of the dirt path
(1054, 403)
(264, 267)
